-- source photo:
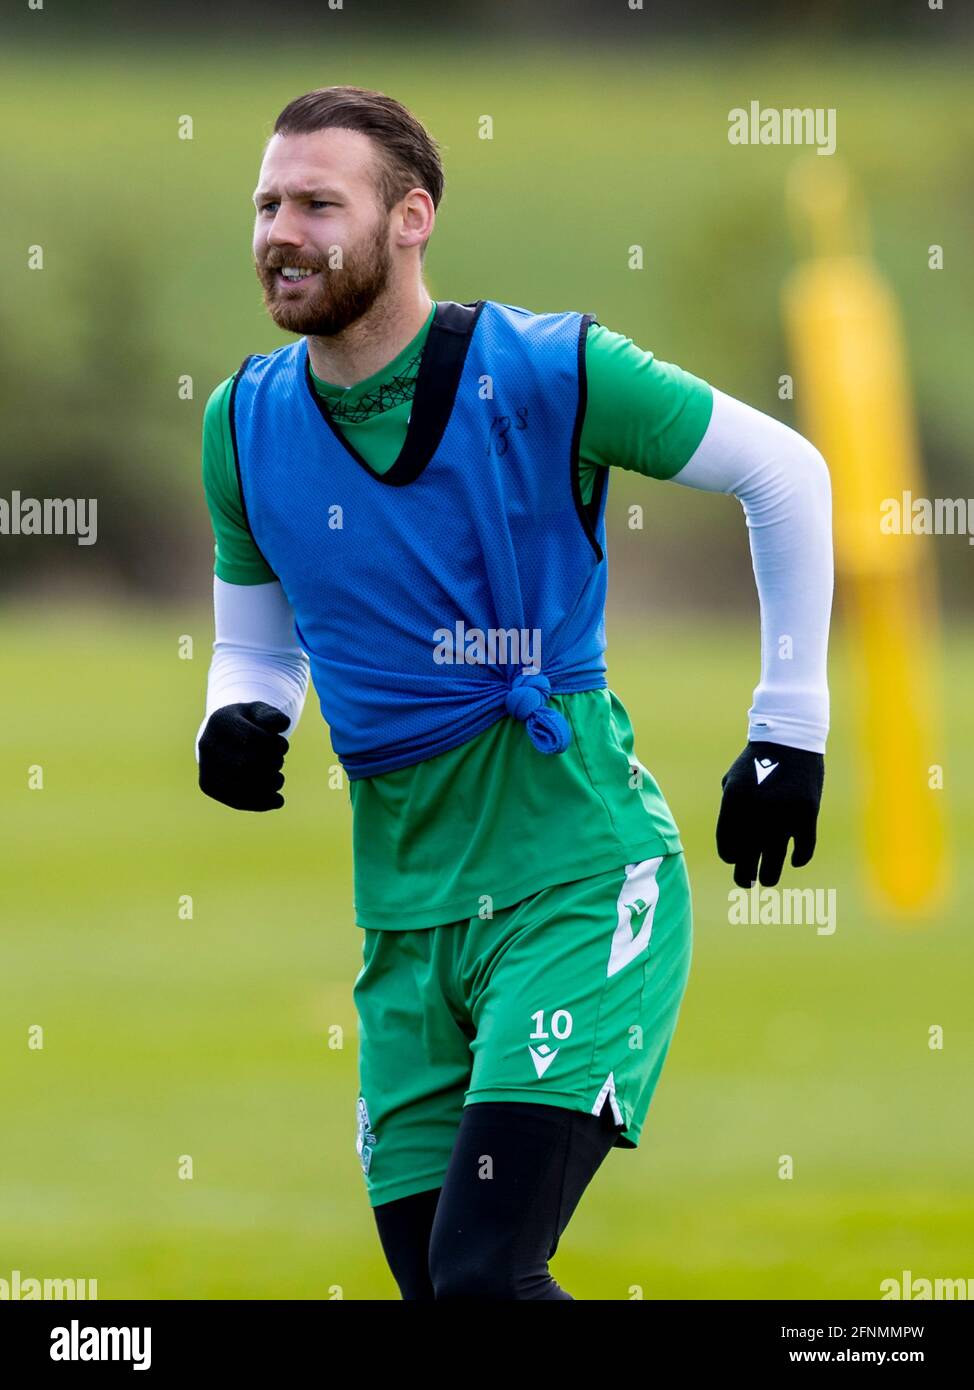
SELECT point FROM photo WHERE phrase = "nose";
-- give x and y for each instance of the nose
(285, 228)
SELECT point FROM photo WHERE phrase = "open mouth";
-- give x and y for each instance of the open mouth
(294, 274)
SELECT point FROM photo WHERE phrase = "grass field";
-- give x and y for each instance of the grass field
(209, 1037)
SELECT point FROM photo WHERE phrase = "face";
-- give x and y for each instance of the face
(316, 193)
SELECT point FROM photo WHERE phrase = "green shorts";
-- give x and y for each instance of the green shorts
(568, 998)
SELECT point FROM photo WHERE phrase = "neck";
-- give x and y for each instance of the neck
(368, 344)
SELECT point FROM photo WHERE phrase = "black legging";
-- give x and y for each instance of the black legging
(515, 1177)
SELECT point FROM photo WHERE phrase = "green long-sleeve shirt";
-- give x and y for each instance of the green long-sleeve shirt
(433, 842)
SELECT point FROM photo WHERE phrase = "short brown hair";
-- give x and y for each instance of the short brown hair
(409, 156)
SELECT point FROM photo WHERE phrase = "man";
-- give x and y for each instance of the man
(409, 505)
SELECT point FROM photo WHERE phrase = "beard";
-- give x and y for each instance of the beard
(340, 296)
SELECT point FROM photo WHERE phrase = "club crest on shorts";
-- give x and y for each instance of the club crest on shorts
(636, 907)
(365, 1137)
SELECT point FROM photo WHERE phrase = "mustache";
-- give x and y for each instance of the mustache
(276, 261)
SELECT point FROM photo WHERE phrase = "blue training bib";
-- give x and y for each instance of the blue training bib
(465, 584)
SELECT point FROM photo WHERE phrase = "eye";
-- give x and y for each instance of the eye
(316, 204)
(266, 207)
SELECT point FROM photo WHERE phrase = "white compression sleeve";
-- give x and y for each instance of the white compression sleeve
(783, 484)
(256, 655)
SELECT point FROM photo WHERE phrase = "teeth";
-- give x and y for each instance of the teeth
(292, 272)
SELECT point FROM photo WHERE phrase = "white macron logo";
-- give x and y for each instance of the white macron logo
(764, 768)
(542, 1057)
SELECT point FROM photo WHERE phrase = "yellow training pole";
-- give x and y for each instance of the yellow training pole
(853, 396)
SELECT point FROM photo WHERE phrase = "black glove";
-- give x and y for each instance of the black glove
(241, 753)
(770, 794)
